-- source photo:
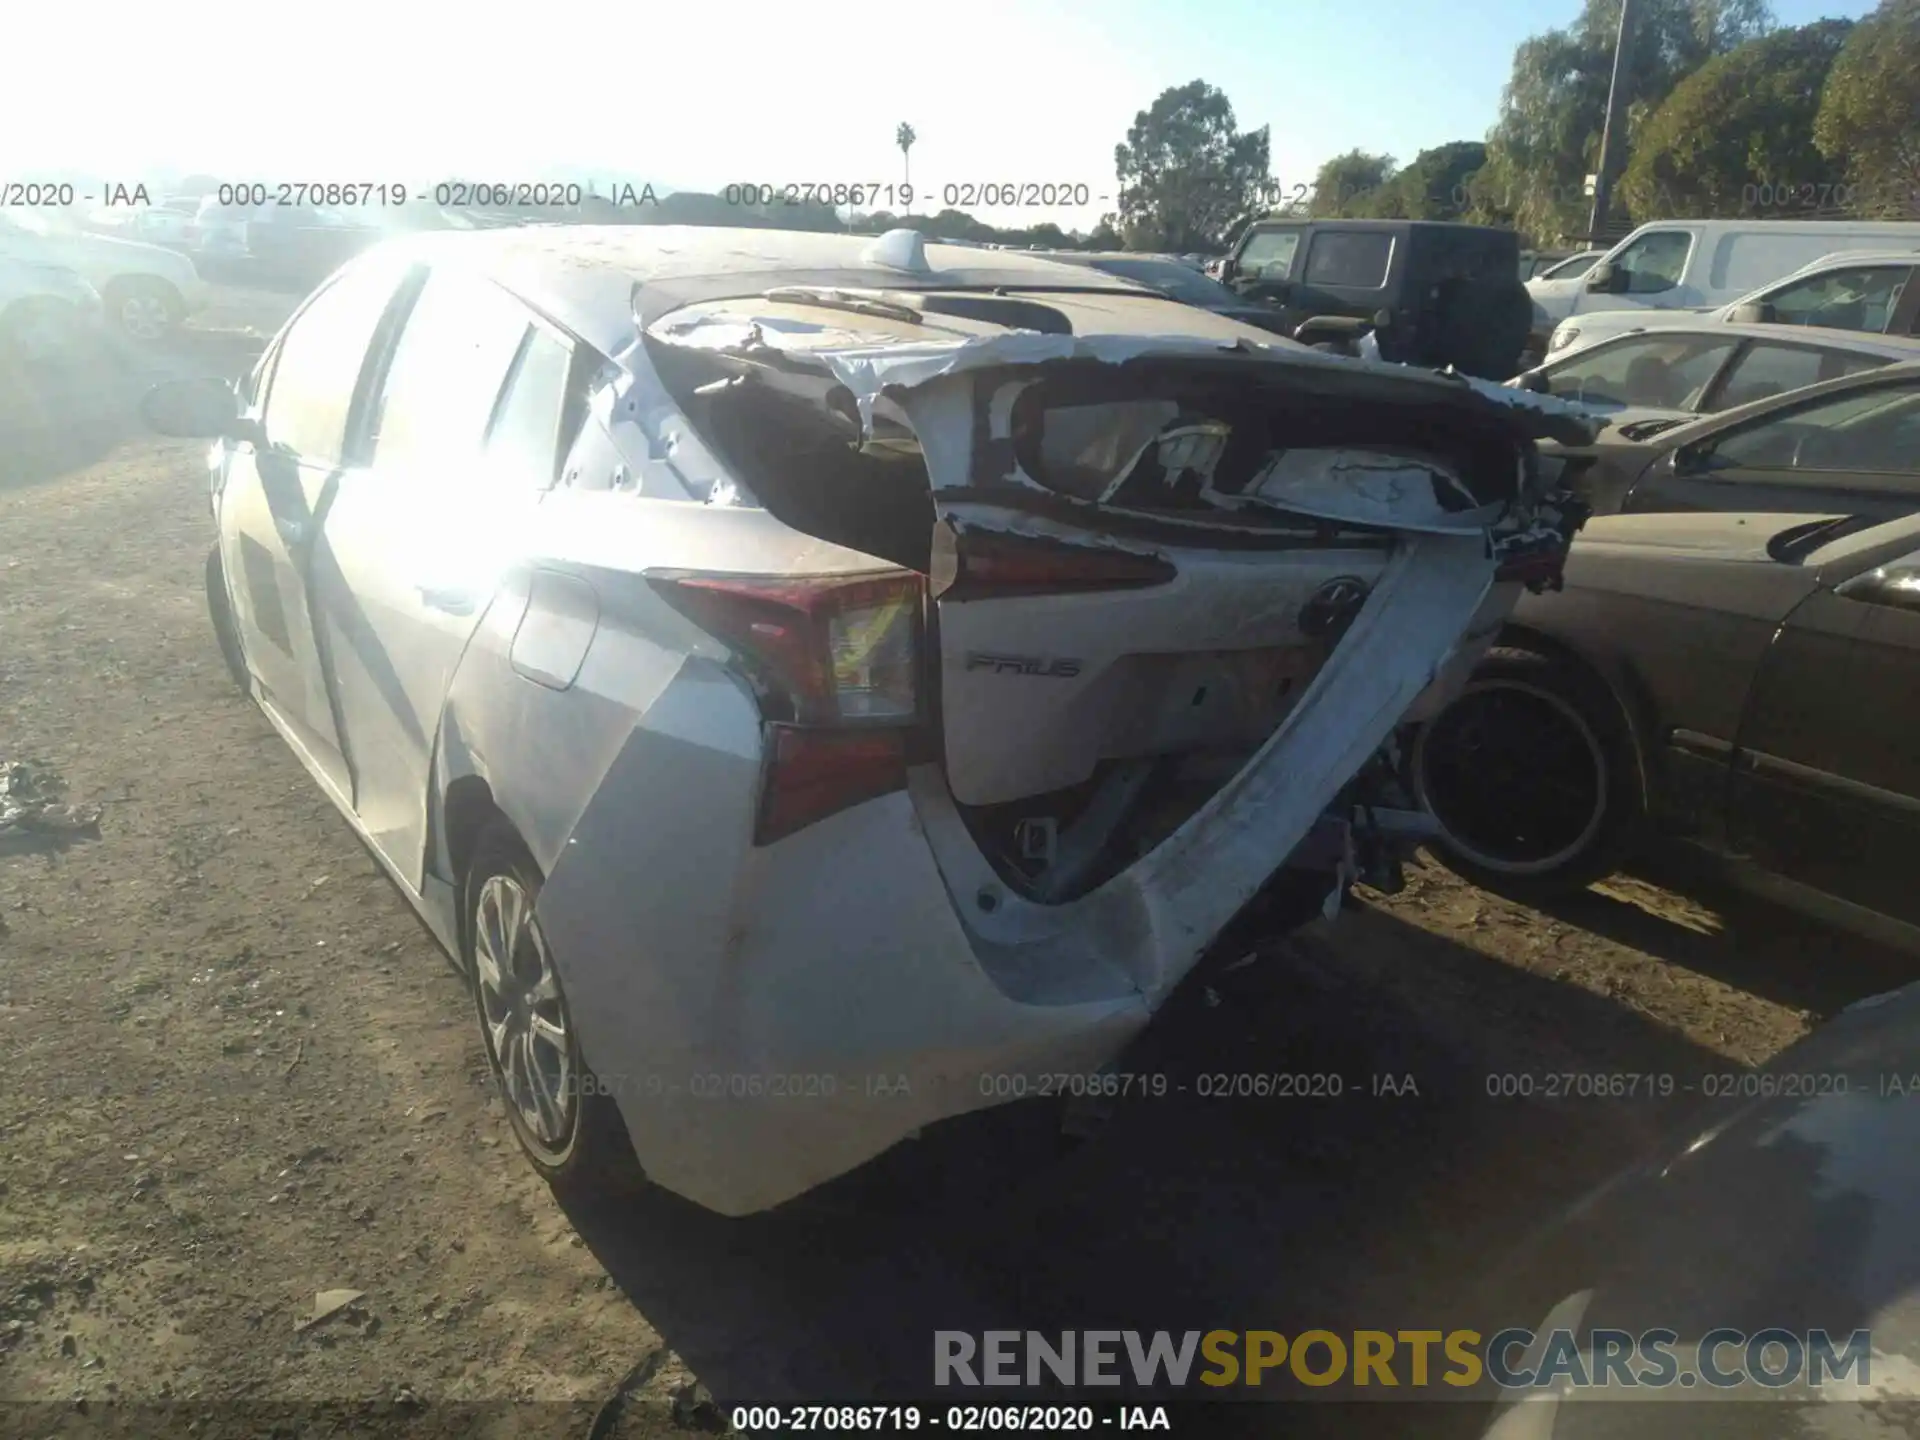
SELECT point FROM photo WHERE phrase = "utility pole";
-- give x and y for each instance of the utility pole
(1613, 133)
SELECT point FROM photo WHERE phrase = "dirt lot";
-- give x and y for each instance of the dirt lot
(238, 1075)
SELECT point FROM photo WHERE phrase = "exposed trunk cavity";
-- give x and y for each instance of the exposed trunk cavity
(1136, 569)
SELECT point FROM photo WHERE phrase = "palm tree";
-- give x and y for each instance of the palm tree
(904, 137)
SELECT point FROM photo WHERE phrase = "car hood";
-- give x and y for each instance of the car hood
(1619, 322)
(117, 248)
(1703, 534)
(1610, 423)
(1791, 1207)
(1265, 317)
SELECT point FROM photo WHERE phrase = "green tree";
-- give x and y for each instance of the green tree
(1189, 179)
(1869, 117)
(1437, 183)
(1736, 137)
(904, 136)
(1355, 183)
(1547, 138)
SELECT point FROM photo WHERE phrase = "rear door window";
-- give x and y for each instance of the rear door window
(1349, 259)
(524, 438)
(437, 398)
(1873, 431)
(1658, 372)
(1862, 298)
(1768, 369)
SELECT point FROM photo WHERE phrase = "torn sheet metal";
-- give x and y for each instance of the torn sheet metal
(874, 364)
(654, 450)
(1365, 487)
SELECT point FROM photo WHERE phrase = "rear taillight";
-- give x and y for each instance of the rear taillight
(835, 663)
(827, 651)
(812, 774)
(990, 565)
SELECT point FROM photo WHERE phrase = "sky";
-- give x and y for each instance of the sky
(694, 96)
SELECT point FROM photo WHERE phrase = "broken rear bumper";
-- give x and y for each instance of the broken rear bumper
(769, 1018)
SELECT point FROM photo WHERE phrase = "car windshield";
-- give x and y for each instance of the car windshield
(1170, 278)
(1571, 268)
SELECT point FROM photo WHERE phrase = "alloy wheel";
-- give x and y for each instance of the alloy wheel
(524, 1014)
(1516, 777)
(144, 317)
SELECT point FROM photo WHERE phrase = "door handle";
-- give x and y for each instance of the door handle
(454, 602)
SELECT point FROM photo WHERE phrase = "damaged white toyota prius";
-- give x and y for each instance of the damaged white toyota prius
(811, 683)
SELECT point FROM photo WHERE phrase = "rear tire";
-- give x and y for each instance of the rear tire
(1533, 775)
(564, 1118)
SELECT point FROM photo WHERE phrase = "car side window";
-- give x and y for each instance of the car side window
(1872, 431)
(317, 370)
(1770, 369)
(1658, 372)
(440, 387)
(524, 439)
(1655, 262)
(1863, 298)
(1351, 259)
(1269, 254)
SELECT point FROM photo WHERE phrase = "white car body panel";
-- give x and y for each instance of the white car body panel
(766, 1016)
(102, 259)
(1594, 326)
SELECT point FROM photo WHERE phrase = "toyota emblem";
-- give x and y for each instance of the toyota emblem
(1331, 608)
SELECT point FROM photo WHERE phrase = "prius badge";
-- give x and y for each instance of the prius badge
(1040, 665)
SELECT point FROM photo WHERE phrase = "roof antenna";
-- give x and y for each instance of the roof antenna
(901, 249)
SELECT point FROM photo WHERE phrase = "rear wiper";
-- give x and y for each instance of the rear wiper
(845, 300)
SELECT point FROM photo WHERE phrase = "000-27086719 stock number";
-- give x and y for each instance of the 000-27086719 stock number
(885, 195)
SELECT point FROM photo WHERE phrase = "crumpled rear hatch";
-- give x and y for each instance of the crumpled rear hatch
(1141, 551)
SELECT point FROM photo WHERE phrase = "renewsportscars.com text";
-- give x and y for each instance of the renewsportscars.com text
(1457, 1360)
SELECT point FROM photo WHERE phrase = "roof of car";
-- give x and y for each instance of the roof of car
(1849, 258)
(593, 279)
(1893, 374)
(1346, 224)
(1900, 347)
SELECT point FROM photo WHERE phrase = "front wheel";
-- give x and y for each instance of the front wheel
(565, 1120)
(1532, 775)
(144, 308)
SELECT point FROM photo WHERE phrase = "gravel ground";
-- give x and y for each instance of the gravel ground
(238, 1075)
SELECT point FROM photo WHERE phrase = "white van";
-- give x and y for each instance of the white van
(1701, 264)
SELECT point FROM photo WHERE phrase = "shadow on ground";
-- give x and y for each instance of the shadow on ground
(62, 414)
(1748, 942)
(1372, 1210)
